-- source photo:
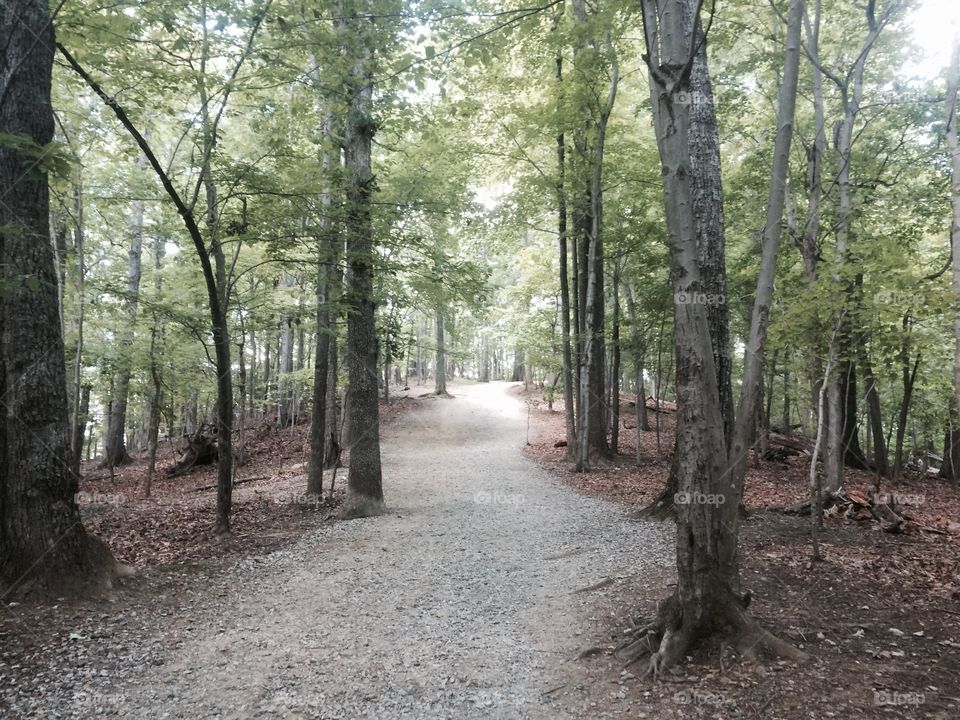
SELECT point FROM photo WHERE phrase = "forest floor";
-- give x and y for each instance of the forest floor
(881, 616)
(471, 598)
(476, 594)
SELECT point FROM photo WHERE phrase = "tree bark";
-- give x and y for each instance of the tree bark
(364, 481)
(565, 339)
(115, 447)
(43, 544)
(776, 199)
(707, 599)
(954, 146)
(440, 371)
(615, 364)
(709, 223)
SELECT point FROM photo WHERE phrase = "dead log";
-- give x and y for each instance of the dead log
(201, 450)
(855, 505)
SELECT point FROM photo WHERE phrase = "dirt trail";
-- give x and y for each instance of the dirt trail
(459, 603)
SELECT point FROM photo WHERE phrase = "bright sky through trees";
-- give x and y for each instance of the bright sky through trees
(934, 24)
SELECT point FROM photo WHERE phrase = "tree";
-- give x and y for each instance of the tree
(772, 231)
(588, 224)
(951, 456)
(708, 597)
(365, 483)
(42, 539)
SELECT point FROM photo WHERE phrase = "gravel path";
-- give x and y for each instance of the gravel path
(459, 603)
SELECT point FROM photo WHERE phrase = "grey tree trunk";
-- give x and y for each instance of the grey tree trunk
(568, 403)
(364, 481)
(615, 364)
(707, 598)
(115, 447)
(156, 337)
(588, 220)
(440, 371)
(909, 380)
(76, 446)
(709, 224)
(638, 342)
(285, 388)
(954, 146)
(809, 242)
(42, 541)
(326, 254)
(776, 199)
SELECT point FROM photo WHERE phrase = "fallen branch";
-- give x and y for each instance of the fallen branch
(244, 481)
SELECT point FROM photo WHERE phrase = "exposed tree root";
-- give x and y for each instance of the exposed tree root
(667, 639)
(84, 568)
(359, 506)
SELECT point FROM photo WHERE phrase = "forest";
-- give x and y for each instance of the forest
(650, 305)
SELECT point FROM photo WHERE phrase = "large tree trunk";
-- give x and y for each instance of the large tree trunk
(42, 540)
(707, 199)
(707, 599)
(709, 225)
(364, 481)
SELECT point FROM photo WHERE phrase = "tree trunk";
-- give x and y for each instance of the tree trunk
(590, 139)
(709, 224)
(42, 540)
(440, 372)
(833, 458)
(115, 448)
(615, 364)
(285, 387)
(707, 599)
(326, 254)
(364, 481)
(909, 380)
(156, 334)
(570, 425)
(79, 425)
(954, 146)
(267, 370)
(880, 461)
(76, 446)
